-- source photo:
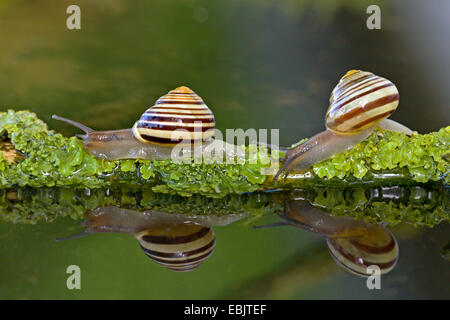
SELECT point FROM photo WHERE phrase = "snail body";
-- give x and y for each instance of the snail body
(178, 118)
(359, 103)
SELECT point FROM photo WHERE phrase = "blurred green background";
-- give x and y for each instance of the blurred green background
(257, 64)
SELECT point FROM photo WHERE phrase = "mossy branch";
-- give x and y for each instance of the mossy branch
(44, 158)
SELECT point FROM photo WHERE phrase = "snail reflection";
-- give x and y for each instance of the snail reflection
(176, 241)
(354, 245)
(134, 211)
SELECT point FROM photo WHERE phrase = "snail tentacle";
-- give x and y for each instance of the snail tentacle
(74, 123)
(391, 125)
(271, 225)
(74, 236)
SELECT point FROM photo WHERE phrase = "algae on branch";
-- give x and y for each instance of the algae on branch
(54, 160)
(423, 155)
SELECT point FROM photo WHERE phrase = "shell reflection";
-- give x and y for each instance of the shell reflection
(177, 242)
(357, 254)
(181, 247)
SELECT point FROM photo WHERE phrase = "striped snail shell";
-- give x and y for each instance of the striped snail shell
(377, 247)
(179, 116)
(360, 100)
(181, 247)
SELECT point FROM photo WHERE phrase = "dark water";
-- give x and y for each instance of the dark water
(257, 64)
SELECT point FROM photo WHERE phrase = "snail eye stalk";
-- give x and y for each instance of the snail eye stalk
(74, 236)
(74, 123)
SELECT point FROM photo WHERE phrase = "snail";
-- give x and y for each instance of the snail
(359, 103)
(354, 245)
(179, 117)
(178, 242)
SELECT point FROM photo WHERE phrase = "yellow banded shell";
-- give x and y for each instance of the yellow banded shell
(360, 100)
(179, 116)
(178, 247)
(377, 247)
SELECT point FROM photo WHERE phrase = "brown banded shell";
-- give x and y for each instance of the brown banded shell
(377, 247)
(360, 100)
(179, 116)
(178, 247)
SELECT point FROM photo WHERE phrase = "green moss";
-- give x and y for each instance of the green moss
(51, 159)
(421, 155)
(54, 160)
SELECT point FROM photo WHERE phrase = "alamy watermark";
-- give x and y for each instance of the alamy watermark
(74, 280)
(374, 280)
(374, 20)
(229, 148)
(73, 21)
